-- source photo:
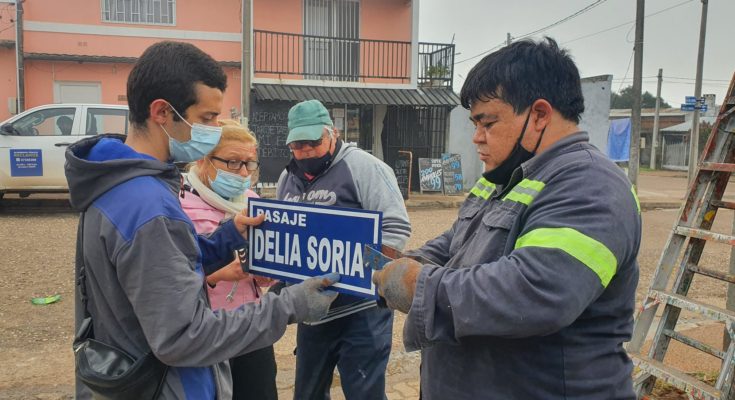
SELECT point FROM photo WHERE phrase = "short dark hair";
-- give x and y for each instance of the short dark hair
(524, 72)
(169, 70)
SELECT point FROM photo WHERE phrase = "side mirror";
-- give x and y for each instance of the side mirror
(7, 129)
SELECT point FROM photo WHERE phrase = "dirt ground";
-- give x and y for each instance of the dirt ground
(36, 259)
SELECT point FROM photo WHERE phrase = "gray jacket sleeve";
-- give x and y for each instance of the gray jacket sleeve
(156, 270)
(378, 190)
(541, 288)
(436, 250)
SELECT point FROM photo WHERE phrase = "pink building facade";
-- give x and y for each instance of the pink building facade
(360, 57)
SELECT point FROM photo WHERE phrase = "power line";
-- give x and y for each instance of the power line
(547, 27)
(692, 79)
(624, 76)
(561, 21)
(628, 23)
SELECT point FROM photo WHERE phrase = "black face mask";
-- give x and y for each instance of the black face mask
(314, 166)
(317, 165)
(501, 174)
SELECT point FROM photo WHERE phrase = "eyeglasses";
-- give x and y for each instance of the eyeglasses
(236, 165)
(300, 144)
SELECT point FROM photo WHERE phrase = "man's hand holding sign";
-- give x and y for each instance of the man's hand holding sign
(313, 290)
(297, 241)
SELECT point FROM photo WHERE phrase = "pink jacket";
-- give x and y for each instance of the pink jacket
(206, 219)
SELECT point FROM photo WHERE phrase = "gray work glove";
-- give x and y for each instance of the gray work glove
(311, 300)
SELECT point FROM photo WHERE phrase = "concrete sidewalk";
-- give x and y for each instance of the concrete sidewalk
(656, 190)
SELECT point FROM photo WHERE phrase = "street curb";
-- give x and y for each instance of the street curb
(414, 205)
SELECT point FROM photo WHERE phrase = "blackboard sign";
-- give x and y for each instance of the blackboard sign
(269, 121)
(430, 174)
(452, 173)
(402, 169)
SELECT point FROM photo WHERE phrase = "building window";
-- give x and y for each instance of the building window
(155, 12)
(332, 39)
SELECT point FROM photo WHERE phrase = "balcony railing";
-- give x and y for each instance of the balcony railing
(436, 64)
(294, 56)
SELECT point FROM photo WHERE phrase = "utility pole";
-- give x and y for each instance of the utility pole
(509, 40)
(654, 138)
(246, 62)
(635, 132)
(20, 62)
(694, 139)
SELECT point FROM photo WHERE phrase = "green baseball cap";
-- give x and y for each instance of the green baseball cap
(306, 121)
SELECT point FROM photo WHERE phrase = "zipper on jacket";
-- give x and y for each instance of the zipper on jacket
(231, 295)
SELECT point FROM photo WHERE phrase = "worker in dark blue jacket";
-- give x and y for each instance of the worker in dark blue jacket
(530, 294)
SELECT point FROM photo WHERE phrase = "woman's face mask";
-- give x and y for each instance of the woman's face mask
(227, 184)
(204, 139)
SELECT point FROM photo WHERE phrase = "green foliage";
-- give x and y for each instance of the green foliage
(624, 99)
(437, 71)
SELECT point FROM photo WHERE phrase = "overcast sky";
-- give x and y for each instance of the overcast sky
(600, 39)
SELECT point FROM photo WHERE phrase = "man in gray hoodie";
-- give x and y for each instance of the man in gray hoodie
(356, 335)
(144, 262)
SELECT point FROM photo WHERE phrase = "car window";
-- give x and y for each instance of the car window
(49, 122)
(106, 120)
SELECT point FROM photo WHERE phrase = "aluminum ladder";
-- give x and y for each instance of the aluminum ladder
(691, 232)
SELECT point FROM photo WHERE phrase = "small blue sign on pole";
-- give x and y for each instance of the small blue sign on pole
(702, 108)
(690, 100)
(298, 241)
(26, 162)
(687, 107)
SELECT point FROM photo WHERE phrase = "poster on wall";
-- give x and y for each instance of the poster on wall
(452, 174)
(402, 169)
(430, 174)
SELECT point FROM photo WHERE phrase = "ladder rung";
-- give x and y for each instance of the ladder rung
(689, 384)
(694, 343)
(730, 205)
(705, 235)
(707, 310)
(722, 167)
(712, 273)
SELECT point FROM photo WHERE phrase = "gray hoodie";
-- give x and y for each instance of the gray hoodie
(145, 266)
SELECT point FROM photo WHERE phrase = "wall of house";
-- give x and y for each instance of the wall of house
(596, 116)
(52, 29)
(7, 81)
(386, 20)
(7, 59)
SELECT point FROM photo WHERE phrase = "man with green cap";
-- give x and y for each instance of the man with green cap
(355, 335)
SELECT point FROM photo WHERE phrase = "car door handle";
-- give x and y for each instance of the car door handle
(62, 144)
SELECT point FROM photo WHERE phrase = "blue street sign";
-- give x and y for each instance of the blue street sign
(690, 100)
(298, 241)
(687, 107)
(702, 108)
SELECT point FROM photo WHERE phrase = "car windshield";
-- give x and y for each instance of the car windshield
(49, 122)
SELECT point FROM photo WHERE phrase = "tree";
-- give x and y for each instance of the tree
(625, 99)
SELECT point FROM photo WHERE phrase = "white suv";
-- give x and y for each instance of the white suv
(32, 143)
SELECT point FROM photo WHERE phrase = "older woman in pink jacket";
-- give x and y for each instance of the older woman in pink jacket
(217, 187)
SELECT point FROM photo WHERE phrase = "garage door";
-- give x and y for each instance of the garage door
(78, 92)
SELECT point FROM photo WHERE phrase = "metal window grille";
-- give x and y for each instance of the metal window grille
(155, 12)
(421, 130)
(334, 54)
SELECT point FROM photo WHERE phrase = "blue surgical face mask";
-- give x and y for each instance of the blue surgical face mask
(229, 185)
(204, 139)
